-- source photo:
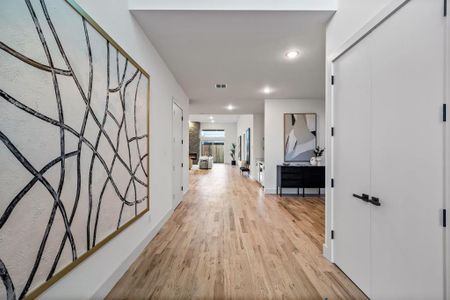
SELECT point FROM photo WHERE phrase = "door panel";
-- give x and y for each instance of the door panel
(177, 153)
(407, 157)
(352, 165)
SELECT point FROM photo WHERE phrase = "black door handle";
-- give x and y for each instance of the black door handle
(375, 201)
(363, 197)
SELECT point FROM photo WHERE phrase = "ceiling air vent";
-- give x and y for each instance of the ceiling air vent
(221, 86)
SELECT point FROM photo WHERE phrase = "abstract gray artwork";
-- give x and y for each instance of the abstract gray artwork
(73, 142)
(300, 136)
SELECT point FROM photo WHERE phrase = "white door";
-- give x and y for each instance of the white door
(177, 153)
(401, 64)
(407, 54)
(352, 165)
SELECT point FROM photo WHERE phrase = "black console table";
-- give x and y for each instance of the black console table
(300, 177)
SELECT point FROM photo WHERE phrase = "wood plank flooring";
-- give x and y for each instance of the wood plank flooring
(227, 240)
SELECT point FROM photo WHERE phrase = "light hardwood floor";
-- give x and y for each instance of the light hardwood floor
(227, 240)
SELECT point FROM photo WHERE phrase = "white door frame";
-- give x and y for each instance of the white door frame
(174, 103)
(447, 153)
(376, 21)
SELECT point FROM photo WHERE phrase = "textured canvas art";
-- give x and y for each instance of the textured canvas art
(73, 142)
(300, 136)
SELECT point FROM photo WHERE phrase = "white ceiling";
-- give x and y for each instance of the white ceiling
(205, 118)
(245, 50)
(278, 5)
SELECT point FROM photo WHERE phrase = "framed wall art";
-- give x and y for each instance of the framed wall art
(300, 136)
(240, 148)
(247, 146)
(74, 142)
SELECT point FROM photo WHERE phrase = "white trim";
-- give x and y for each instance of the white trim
(326, 251)
(447, 159)
(174, 102)
(111, 281)
(376, 21)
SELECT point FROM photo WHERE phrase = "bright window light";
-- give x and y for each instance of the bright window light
(213, 133)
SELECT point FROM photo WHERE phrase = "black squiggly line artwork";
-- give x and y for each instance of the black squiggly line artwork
(117, 144)
(7, 282)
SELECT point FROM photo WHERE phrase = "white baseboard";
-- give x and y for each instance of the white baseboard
(111, 281)
(326, 252)
(270, 190)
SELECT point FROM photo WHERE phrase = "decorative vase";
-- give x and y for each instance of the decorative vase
(319, 161)
(313, 161)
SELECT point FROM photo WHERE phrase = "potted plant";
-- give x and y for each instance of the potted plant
(233, 154)
(318, 155)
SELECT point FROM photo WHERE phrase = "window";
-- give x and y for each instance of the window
(212, 133)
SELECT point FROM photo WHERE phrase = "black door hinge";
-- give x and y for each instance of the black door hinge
(332, 182)
(445, 8)
(182, 165)
(332, 131)
(444, 112)
(182, 188)
(444, 217)
(182, 119)
(332, 234)
(182, 141)
(332, 79)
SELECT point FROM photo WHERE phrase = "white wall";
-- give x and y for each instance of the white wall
(351, 16)
(94, 277)
(230, 136)
(274, 110)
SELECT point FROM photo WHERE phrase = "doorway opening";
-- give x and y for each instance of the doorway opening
(177, 154)
(214, 149)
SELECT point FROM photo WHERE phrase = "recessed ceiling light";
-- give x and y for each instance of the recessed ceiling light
(211, 117)
(267, 90)
(230, 107)
(212, 121)
(291, 54)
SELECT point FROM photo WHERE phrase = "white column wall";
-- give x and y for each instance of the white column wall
(274, 110)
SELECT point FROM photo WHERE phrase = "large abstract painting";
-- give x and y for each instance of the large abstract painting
(74, 138)
(300, 136)
(247, 145)
(240, 148)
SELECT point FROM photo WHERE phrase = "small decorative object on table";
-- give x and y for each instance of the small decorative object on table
(316, 160)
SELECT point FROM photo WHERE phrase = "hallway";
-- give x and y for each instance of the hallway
(227, 240)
